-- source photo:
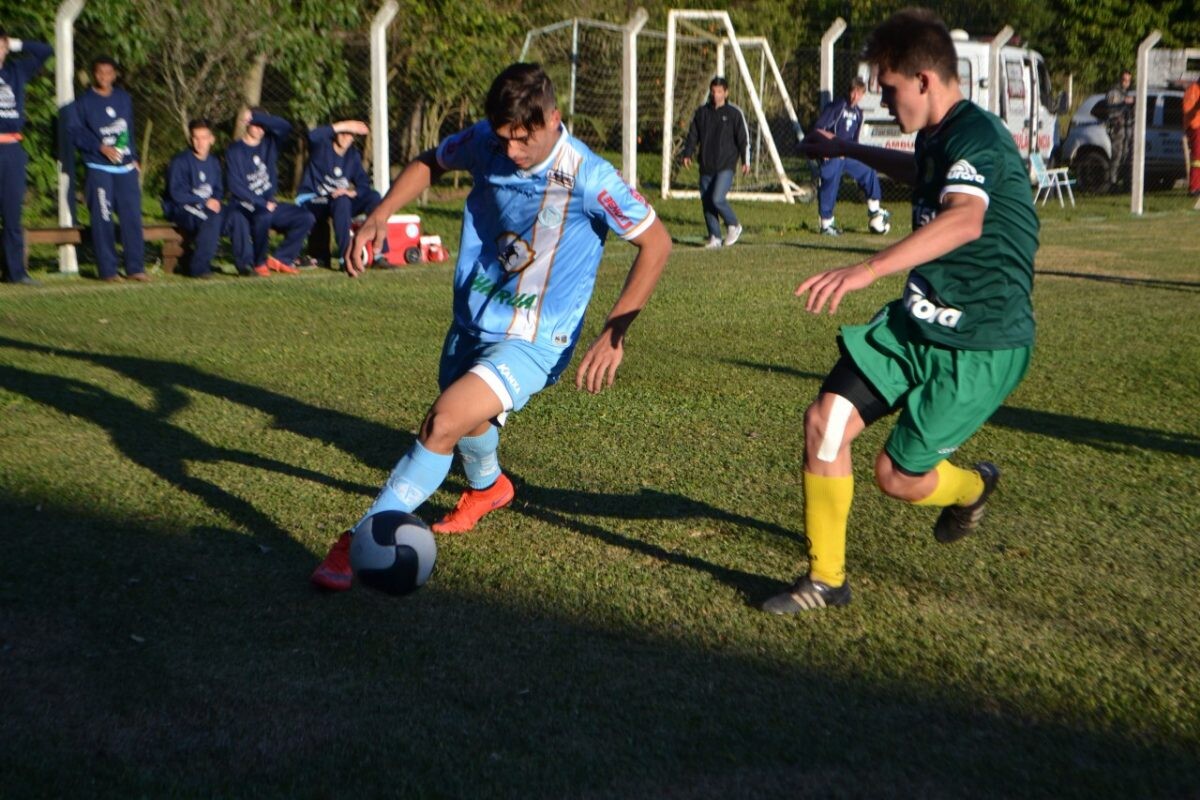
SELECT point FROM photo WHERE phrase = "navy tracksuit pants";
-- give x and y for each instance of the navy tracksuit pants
(204, 229)
(342, 210)
(290, 220)
(12, 200)
(831, 180)
(108, 192)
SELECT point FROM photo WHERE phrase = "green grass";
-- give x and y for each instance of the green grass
(175, 458)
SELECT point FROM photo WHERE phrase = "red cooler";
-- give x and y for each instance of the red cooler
(404, 239)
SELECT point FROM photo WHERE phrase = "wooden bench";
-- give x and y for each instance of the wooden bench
(165, 232)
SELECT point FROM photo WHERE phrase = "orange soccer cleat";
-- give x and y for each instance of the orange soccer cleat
(335, 574)
(474, 504)
(275, 265)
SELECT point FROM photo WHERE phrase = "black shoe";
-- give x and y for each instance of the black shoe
(808, 595)
(955, 522)
(25, 280)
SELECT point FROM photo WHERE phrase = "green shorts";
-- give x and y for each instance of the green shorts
(944, 395)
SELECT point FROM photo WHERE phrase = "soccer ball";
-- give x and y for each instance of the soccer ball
(393, 552)
(880, 222)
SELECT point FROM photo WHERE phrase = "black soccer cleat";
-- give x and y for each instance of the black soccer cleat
(955, 522)
(808, 595)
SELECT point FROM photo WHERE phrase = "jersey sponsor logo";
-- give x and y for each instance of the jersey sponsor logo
(484, 285)
(337, 172)
(550, 217)
(614, 210)
(515, 253)
(962, 170)
(921, 308)
(638, 196)
(561, 177)
(110, 111)
(923, 215)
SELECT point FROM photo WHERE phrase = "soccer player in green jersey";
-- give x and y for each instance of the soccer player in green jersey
(958, 341)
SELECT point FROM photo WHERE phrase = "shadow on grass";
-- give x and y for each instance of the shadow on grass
(1149, 283)
(194, 664)
(148, 437)
(553, 505)
(1107, 436)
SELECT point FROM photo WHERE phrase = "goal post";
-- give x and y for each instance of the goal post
(788, 191)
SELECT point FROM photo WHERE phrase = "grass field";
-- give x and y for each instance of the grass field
(175, 458)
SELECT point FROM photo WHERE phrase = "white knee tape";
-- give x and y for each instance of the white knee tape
(835, 429)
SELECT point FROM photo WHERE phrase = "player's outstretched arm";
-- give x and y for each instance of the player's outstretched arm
(899, 164)
(598, 369)
(418, 176)
(959, 221)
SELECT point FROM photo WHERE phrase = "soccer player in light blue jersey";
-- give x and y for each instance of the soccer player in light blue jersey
(533, 232)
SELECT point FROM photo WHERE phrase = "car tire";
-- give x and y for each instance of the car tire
(1091, 172)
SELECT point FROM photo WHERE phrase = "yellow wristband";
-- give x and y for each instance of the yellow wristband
(870, 269)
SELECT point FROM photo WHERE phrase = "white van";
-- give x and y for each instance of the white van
(1026, 105)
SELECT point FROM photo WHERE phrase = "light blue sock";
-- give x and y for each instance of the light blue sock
(479, 459)
(415, 477)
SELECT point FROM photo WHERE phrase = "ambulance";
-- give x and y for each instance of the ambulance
(1026, 105)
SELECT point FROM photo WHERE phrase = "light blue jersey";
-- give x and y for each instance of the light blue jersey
(532, 239)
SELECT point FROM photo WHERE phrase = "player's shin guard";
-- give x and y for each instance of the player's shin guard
(826, 510)
(479, 458)
(416, 476)
(955, 487)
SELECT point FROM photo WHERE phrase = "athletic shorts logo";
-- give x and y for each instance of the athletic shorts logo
(962, 170)
(514, 253)
(614, 210)
(508, 376)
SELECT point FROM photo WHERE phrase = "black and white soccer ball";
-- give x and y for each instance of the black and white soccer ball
(881, 222)
(393, 552)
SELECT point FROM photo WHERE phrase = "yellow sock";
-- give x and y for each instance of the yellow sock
(826, 510)
(955, 487)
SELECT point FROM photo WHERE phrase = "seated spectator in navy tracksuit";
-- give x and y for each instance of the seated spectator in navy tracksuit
(335, 185)
(250, 168)
(102, 129)
(843, 119)
(192, 201)
(14, 74)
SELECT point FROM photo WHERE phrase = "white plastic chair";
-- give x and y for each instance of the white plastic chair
(1051, 180)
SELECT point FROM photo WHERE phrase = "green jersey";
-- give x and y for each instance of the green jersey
(976, 297)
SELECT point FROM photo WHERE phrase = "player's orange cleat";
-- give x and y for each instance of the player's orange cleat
(335, 574)
(262, 271)
(474, 504)
(278, 266)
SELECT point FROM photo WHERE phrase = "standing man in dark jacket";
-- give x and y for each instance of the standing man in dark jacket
(335, 185)
(719, 127)
(253, 180)
(1119, 103)
(843, 119)
(103, 132)
(14, 74)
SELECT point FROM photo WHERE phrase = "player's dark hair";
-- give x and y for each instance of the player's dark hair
(913, 40)
(719, 81)
(3, 33)
(857, 83)
(521, 96)
(199, 122)
(101, 60)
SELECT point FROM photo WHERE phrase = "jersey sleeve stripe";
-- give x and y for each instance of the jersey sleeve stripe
(641, 227)
(962, 188)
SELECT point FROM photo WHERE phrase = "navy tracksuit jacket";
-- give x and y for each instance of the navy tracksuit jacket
(18, 70)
